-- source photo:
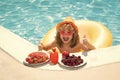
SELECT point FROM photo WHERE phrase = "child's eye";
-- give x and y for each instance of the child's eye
(69, 32)
(62, 32)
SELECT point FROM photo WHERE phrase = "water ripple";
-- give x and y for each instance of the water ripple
(31, 19)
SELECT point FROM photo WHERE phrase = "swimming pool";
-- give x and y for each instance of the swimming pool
(31, 19)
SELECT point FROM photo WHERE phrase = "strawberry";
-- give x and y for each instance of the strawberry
(36, 57)
(30, 61)
(54, 57)
(53, 49)
(27, 59)
(65, 54)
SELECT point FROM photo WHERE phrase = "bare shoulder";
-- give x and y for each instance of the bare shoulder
(79, 45)
(53, 44)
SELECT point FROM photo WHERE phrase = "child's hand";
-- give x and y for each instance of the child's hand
(85, 40)
(87, 44)
(40, 46)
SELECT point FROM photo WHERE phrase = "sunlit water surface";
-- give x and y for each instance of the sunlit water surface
(31, 19)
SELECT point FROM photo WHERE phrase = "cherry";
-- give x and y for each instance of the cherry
(72, 60)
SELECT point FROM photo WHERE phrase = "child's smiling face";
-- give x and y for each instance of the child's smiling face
(66, 33)
(66, 36)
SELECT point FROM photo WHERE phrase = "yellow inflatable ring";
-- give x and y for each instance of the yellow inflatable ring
(99, 35)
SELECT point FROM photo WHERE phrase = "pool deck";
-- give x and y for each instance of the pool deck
(12, 68)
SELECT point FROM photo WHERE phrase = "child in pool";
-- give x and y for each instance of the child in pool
(67, 39)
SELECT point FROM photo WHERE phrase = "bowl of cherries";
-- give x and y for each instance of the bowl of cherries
(72, 60)
(36, 58)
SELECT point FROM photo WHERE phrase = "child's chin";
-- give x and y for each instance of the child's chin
(65, 42)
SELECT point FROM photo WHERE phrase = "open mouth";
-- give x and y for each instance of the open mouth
(65, 38)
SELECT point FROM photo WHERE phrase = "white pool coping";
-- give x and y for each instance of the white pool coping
(14, 44)
(19, 48)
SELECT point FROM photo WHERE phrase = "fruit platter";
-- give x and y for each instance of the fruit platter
(36, 58)
(54, 57)
(72, 60)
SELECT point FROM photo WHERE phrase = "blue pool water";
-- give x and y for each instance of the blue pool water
(31, 19)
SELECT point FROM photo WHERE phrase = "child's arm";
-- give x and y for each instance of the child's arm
(46, 47)
(87, 45)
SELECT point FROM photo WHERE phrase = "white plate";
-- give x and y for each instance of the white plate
(38, 64)
(32, 65)
(77, 66)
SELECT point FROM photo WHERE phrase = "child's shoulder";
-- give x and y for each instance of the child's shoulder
(54, 43)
